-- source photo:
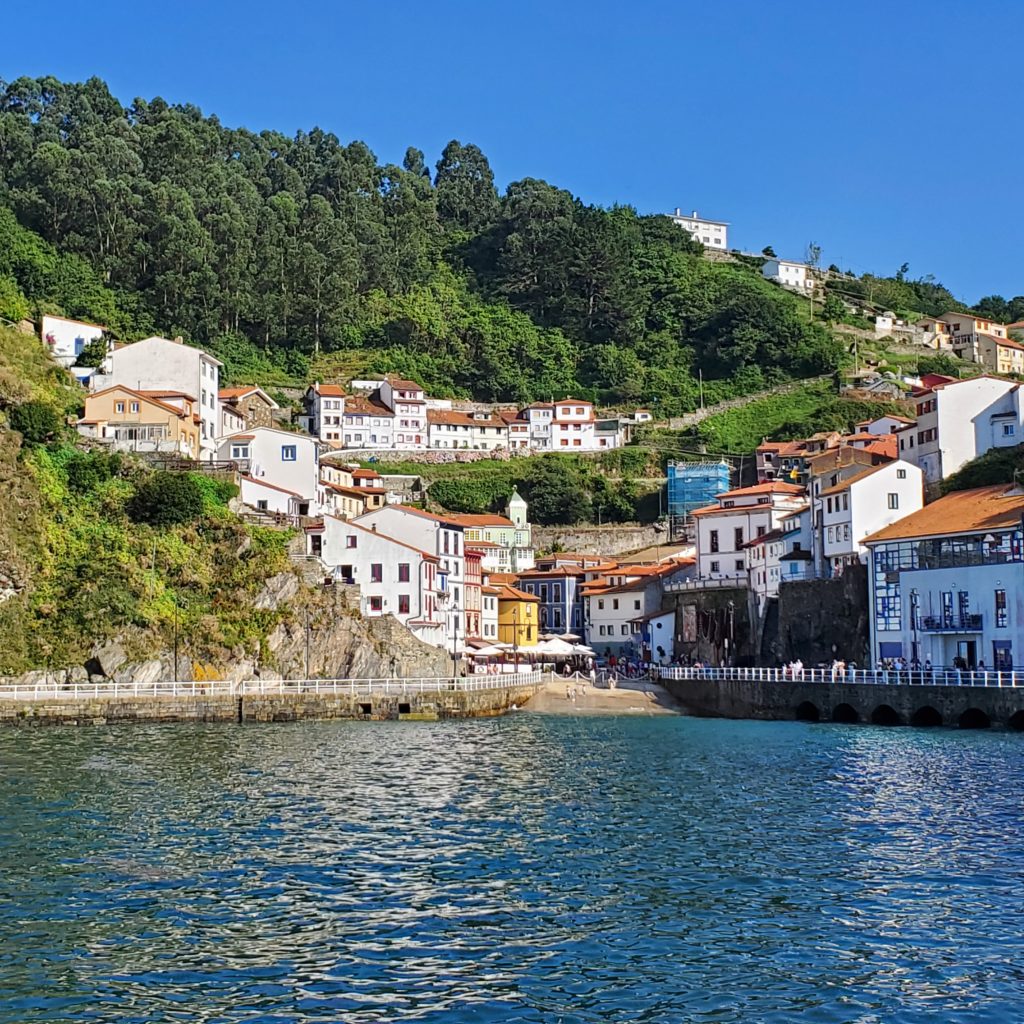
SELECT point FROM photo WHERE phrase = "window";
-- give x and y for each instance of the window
(636, 605)
(556, 592)
(713, 540)
(403, 572)
(615, 604)
(1001, 609)
(376, 604)
(828, 502)
(600, 605)
(831, 534)
(288, 453)
(739, 563)
(762, 530)
(119, 407)
(133, 407)
(625, 630)
(894, 500)
(239, 451)
(846, 502)
(261, 504)
(350, 541)
(376, 572)
(901, 474)
(715, 567)
(738, 537)
(1008, 430)
(403, 604)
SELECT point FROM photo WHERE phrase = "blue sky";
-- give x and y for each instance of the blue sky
(886, 132)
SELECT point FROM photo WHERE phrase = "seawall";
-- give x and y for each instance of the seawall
(270, 707)
(968, 706)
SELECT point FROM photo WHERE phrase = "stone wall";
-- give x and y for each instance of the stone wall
(830, 701)
(613, 539)
(292, 707)
(819, 620)
(705, 619)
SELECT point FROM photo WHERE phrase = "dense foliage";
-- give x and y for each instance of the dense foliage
(996, 466)
(166, 499)
(273, 250)
(36, 421)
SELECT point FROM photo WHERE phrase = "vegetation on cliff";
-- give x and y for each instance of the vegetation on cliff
(81, 559)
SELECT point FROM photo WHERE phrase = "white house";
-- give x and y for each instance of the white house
(616, 605)
(958, 420)
(394, 578)
(945, 582)
(439, 536)
(368, 423)
(789, 273)
(861, 505)
(160, 364)
(713, 234)
(724, 528)
(489, 613)
(325, 412)
(478, 430)
(278, 470)
(408, 402)
(572, 425)
(66, 339)
(764, 563)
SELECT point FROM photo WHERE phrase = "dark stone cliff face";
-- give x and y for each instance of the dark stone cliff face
(819, 620)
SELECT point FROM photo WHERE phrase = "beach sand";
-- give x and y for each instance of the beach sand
(630, 697)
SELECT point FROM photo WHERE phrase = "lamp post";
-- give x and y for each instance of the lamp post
(515, 638)
(307, 642)
(455, 637)
(175, 636)
(913, 628)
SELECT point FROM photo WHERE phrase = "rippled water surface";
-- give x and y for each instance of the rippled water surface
(529, 868)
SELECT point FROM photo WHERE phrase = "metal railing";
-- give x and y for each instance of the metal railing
(270, 687)
(875, 677)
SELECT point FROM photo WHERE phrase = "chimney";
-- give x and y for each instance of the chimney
(179, 340)
(373, 526)
(694, 215)
(679, 212)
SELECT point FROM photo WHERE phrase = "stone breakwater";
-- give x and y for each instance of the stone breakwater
(892, 704)
(58, 709)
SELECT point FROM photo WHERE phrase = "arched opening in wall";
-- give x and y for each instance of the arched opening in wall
(974, 718)
(1016, 721)
(808, 712)
(884, 714)
(845, 713)
(926, 716)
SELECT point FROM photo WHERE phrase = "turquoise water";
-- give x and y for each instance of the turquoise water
(531, 868)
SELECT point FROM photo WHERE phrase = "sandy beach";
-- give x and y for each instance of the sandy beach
(630, 697)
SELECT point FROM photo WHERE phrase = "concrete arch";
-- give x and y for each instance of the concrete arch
(808, 712)
(1016, 721)
(845, 713)
(926, 716)
(974, 718)
(885, 714)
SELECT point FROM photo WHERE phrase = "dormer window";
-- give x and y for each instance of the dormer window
(728, 504)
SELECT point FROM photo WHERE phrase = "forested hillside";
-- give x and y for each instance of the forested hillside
(271, 250)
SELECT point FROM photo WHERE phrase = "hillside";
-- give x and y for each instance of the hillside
(97, 547)
(272, 251)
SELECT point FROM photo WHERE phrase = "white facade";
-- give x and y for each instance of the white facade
(724, 529)
(863, 505)
(231, 422)
(789, 274)
(713, 234)
(324, 417)
(394, 578)
(482, 431)
(959, 421)
(159, 364)
(279, 458)
(945, 584)
(572, 426)
(368, 424)
(437, 536)
(489, 613)
(65, 339)
(408, 402)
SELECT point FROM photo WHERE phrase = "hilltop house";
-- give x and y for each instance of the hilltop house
(278, 471)
(140, 421)
(162, 365)
(712, 234)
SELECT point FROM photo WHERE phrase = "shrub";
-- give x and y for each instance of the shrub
(87, 470)
(167, 499)
(37, 422)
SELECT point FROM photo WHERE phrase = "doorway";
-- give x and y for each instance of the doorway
(968, 650)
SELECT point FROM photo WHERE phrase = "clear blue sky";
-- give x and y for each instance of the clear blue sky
(886, 132)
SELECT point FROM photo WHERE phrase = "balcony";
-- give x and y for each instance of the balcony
(951, 624)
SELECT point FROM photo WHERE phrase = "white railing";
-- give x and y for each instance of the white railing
(269, 687)
(875, 677)
(728, 583)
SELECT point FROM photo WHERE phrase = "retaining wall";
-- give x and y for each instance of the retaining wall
(736, 698)
(282, 707)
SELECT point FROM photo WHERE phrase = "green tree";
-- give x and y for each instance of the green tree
(37, 422)
(466, 197)
(166, 499)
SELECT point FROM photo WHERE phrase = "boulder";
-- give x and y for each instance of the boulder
(76, 675)
(106, 660)
(143, 672)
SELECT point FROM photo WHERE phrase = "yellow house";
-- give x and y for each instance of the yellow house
(518, 616)
(142, 421)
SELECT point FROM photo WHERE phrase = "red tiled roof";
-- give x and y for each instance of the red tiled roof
(771, 487)
(465, 519)
(975, 511)
(358, 405)
(146, 396)
(330, 390)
